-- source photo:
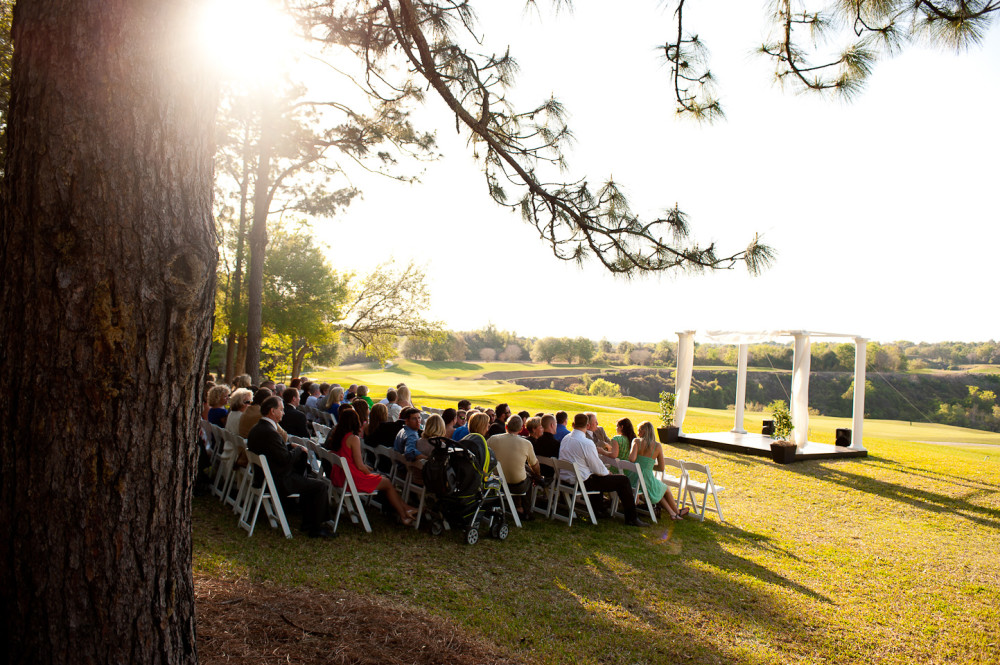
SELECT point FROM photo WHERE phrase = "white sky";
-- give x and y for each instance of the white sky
(884, 212)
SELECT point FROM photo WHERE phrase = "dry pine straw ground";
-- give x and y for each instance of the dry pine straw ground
(257, 623)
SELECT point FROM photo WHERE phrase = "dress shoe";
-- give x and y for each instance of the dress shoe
(636, 522)
(322, 532)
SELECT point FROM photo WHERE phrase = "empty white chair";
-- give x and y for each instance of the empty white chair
(706, 488)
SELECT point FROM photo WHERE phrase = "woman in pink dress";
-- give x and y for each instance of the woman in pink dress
(345, 441)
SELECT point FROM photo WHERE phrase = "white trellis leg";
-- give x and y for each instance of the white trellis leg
(741, 390)
(860, 362)
(800, 388)
(682, 387)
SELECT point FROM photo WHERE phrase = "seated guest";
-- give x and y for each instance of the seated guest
(238, 403)
(295, 383)
(294, 421)
(253, 414)
(362, 409)
(545, 444)
(217, 398)
(515, 454)
(279, 389)
(461, 427)
(533, 426)
(304, 390)
(344, 440)
(406, 439)
(577, 448)
(392, 404)
(403, 397)
(433, 428)
(314, 494)
(479, 424)
(205, 408)
(269, 384)
(597, 434)
(381, 431)
(524, 419)
(242, 381)
(351, 393)
(499, 425)
(385, 400)
(363, 394)
(621, 442)
(561, 430)
(314, 395)
(334, 399)
(448, 416)
(648, 454)
(464, 405)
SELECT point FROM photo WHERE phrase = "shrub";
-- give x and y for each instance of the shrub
(667, 406)
(605, 388)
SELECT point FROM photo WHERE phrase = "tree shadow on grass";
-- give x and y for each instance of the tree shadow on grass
(434, 365)
(918, 498)
(931, 474)
(700, 583)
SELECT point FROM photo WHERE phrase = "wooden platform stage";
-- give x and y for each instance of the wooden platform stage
(758, 444)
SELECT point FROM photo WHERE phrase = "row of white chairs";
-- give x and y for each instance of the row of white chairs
(571, 491)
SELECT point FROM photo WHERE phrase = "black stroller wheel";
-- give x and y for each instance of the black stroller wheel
(472, 536)
(500, 530)
(437, 528)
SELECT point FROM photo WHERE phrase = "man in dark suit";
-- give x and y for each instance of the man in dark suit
(314, 495)
(294, 421)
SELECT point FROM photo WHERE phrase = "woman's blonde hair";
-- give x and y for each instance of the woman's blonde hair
(403, 395)
(479, 423)
(335, 396)
(242, 381)
(217, 396)
(434, 427)
(647, 435)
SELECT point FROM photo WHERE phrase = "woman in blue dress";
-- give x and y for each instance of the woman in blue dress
(648, 454)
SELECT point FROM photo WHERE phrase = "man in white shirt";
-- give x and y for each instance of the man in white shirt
(577, 448)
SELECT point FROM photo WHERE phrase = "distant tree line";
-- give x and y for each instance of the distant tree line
(490, 344)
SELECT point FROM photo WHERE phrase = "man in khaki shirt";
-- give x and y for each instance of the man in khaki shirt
(515, 455)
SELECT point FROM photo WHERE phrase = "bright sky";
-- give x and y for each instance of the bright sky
(883, 212)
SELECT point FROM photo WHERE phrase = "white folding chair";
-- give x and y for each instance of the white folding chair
(670, 480)
(548, 491)
(339, 495)
(267, 496)
(322, 431)
(218, 441)
(224, 470)
(412, 487)
(572, 490)
(706, 488)
(638, 485)
(507, 494)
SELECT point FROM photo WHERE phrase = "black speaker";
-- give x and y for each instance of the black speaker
(768, 428)
(843, 437)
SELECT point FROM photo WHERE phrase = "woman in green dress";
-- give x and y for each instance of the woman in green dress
(648, 454)
(622, 442)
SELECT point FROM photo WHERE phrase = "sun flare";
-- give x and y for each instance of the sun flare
(249, 40)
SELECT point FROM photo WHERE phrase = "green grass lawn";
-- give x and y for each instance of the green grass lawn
(885, 559)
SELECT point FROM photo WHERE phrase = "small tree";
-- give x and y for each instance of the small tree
(605, 388)
(667, 405)
(782, 420)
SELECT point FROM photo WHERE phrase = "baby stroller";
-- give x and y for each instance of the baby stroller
(461, 475)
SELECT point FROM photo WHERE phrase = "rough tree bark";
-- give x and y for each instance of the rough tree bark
(109, 255)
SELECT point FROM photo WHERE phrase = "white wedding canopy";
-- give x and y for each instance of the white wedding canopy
(800, 376)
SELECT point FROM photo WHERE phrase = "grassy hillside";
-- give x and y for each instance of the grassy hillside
(889, 559)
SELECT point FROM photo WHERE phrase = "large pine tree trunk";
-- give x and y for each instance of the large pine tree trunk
(108, 252)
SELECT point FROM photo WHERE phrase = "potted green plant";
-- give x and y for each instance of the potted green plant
(782, 450)
(668, 433)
